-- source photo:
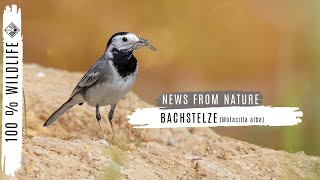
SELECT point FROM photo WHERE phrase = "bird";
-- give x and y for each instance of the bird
(108, 80)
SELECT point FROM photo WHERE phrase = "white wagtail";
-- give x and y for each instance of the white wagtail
(109, 79)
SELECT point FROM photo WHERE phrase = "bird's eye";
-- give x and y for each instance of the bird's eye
(124, 39)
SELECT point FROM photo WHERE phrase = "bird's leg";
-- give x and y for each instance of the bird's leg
(110, 116)
(98, 116)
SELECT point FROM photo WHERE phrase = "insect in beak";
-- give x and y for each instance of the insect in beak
(145, 42)
(140, 43)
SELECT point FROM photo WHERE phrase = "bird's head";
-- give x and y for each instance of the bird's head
(126, 43)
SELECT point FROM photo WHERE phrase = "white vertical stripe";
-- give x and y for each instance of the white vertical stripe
(12, 149)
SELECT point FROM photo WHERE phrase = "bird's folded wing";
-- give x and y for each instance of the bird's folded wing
(87, 81)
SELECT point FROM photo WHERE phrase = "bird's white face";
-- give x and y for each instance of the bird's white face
(125, 42)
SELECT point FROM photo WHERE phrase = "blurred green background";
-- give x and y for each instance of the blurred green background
(267, 45)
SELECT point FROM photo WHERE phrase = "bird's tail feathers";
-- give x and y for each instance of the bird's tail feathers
(59, 112)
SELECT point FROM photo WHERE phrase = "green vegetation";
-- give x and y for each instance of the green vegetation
(117, 155)
(315, 75)
(302, 89)
(111, 172)
(117, 160)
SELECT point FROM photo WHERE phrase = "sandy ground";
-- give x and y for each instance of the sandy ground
(72, 148)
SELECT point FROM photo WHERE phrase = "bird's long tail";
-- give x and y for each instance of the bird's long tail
(58, 113)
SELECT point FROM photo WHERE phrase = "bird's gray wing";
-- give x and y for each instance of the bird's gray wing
(89, 79)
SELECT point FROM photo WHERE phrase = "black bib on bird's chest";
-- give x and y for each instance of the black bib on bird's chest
(124, 62)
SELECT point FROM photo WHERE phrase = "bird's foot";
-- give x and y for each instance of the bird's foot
(113, 138)
(103, 133)
(105, 139)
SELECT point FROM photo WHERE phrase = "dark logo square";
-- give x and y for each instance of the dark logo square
(12, 30)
